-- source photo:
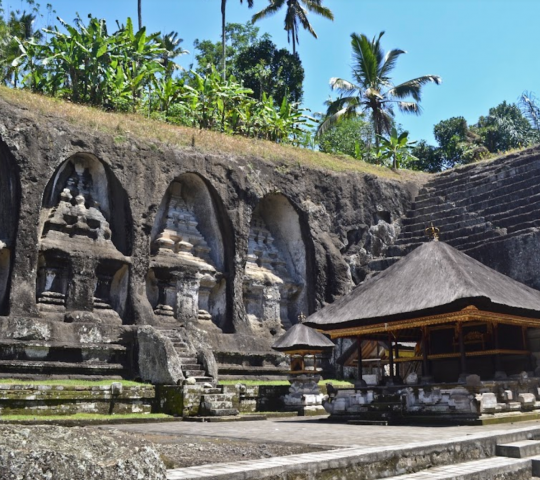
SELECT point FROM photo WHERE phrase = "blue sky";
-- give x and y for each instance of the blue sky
(484, 50)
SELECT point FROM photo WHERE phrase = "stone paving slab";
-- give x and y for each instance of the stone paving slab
(362, 444)
(312, 431)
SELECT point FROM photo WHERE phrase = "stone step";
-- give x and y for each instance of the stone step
(222, 412)
(444, 213)
(535, 464)
(444, 224)
(521, 449)
(498, 169)
(469, 248)
(217, 397)
(496, 187)
(193, 373)
(478, 200)
(485, 469)
(43, 367)
(512, 207)
(71, 376)
(191, 365)
(450, 232)
(213, 391)
(463, 241)
(215, 405)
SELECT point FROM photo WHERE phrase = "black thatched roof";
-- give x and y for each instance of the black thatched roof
(301, 337)
(434, 278)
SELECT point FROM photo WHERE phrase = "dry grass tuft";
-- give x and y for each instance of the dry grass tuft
(123, 126)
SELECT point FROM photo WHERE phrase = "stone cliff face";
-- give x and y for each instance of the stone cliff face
(99, 236)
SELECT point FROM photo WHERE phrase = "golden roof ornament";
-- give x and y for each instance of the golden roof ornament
(433, 233)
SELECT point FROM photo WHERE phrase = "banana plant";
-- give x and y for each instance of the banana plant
(396, 148)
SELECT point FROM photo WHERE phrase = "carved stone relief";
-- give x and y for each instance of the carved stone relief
(76, 231)
(184, 283)
(274, 287)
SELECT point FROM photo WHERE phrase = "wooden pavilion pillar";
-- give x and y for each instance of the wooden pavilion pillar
(526, 347)
(498, 363)
(463, 358)
(359, 366)
(425, 351)
(391, 355)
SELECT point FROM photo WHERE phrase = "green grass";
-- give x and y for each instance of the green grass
(70, 383)
(343, 383)
(123, 127)
(82, 416)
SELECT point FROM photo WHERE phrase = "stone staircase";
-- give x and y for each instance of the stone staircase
(191, 367)
(215, 403)
(473, 206)
(516, 460)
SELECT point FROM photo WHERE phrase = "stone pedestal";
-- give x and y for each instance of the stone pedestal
(304, 394)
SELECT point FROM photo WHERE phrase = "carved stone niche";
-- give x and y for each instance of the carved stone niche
(80, 203)
(275, 273)
(185, 283)
(111, 288)
(5, 261)
(53, 277)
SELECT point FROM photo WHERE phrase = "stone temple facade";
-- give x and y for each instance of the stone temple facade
(219, 254)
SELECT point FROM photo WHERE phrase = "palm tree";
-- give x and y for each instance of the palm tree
(171, 43)
(20, 28)
(223, 39)
(295, 16)
(372, 90)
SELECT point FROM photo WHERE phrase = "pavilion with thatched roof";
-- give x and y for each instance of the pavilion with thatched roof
(462, 315)
(300, 341)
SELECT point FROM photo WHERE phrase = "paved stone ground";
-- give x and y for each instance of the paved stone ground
(313, 431)
(344, 440)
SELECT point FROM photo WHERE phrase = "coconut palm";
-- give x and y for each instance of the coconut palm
(372, 90)
(223, 24)
(172, 49)
(295, 16)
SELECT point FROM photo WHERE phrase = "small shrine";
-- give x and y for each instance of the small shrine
(300, 342)
(460, 327)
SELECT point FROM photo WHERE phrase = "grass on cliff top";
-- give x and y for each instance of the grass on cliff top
(70, 383)
(122, 126)
(336, 383)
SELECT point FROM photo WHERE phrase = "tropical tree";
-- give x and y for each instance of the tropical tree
(223, 39)
(396, 148)
(505, 128)
(351, 137)
(295, 16)
(528, 104)
(264, 68)
(372, 90)
(20, 28)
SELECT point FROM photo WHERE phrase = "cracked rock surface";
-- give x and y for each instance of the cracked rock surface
(59, 453)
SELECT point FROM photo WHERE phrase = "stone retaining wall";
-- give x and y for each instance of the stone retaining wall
(68, 400)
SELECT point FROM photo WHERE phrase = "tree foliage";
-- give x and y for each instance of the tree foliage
(256, 62)
(351, 137)
(131, 70)
(295, 16)
(265, 69)
(372, 90)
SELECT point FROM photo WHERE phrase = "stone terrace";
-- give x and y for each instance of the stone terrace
(476, 207)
